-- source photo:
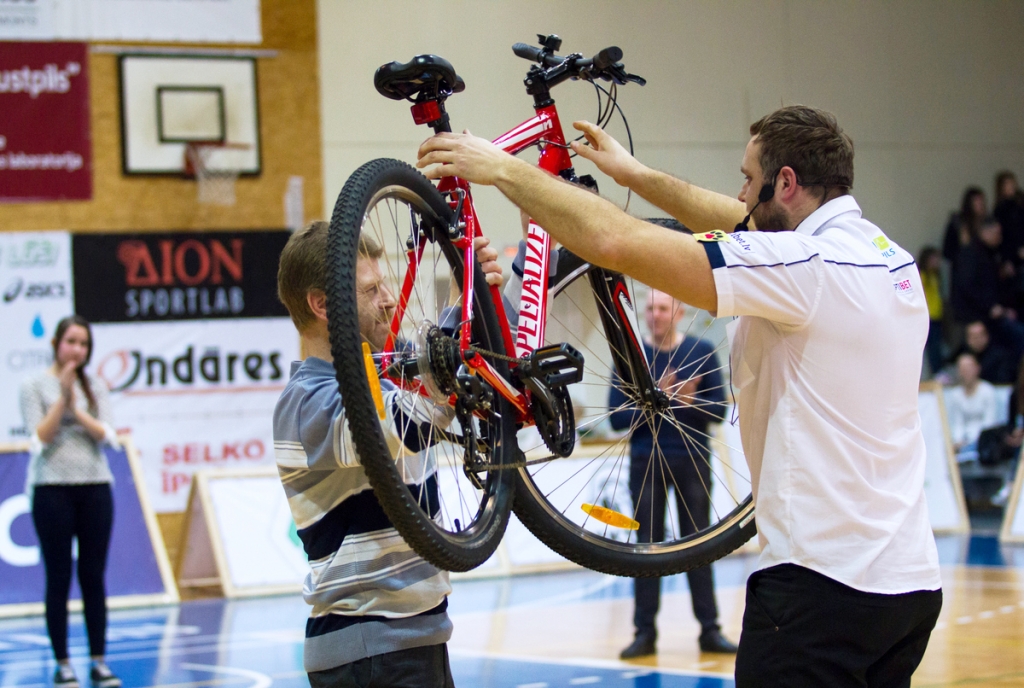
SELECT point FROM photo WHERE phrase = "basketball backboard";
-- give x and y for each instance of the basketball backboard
(168, 101)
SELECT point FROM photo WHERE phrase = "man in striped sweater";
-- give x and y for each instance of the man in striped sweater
(379, 611)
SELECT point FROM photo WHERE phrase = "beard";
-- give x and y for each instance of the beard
(770, 218)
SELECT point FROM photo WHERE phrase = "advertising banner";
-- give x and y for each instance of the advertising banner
(136, 567)
(195, 394)
(45, 148)
(177, 276)
(192, 21)
(35, 276)
(193, 343)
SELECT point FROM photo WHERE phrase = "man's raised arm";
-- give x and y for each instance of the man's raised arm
(586, 224)
(699, 209)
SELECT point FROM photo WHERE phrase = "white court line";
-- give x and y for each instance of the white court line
(158, 653)
(584, 662)
(259, 680)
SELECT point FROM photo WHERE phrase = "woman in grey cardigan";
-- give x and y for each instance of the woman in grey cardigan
(68, 414)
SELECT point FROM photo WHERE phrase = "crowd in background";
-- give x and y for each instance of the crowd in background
(974, 286)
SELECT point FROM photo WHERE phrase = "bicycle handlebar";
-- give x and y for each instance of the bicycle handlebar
(604, 65)
(529, 52)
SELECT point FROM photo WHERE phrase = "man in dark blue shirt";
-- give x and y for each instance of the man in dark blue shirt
(688, 371)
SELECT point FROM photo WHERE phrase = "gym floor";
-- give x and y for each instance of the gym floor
(543, 631)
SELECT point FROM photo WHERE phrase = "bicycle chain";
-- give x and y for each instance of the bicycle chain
(493, 354)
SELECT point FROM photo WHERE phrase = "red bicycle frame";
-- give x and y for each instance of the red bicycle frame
(545, 130)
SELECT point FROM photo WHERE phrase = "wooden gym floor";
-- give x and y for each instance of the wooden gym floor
(544, 631)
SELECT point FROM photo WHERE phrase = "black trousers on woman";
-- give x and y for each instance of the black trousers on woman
(689, 478)
(60, 513)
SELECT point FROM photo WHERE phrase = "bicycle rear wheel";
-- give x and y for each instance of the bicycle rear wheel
(693, 468)
(428, 462)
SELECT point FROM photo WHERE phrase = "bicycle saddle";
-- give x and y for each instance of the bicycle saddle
(424, 73)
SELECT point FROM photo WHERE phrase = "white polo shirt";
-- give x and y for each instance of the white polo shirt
(826, 359)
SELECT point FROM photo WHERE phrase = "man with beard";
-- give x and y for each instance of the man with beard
(826, 358)
(673, 457)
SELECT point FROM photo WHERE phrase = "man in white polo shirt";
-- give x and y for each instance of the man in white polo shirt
(826, 358)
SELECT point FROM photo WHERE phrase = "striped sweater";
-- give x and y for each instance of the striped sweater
(369, 591)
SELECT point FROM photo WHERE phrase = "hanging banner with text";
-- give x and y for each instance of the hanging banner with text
(45, 149)
(177, 276)
(192, 21)
(193, 343)
(35, 276)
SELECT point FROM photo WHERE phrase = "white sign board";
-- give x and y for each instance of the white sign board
(1013, 519)
(240, 535)
(946, 507)
(189, 21)
(35, 276)
(195, 394)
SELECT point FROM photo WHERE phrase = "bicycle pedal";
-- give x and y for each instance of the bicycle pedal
(557, 365)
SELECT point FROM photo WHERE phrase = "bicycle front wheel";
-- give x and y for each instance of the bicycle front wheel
(432, 464)
(657, 483)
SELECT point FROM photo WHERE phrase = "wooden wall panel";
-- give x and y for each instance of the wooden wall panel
(289, 105)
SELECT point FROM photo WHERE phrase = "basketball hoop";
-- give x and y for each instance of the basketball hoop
(210, 164)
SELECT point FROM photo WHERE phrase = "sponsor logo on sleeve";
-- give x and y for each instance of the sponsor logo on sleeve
(883, 245)
(712, 236)
(742, 242)
(903, 286)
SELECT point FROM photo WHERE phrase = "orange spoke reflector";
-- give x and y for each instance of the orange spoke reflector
(610, 517)
(374, 380)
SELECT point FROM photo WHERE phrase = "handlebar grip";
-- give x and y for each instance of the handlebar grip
(528, 52)
(607, 57)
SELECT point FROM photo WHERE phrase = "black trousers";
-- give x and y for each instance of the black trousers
(418, 667)
(801, 628)
(690, 480)
(60, 513)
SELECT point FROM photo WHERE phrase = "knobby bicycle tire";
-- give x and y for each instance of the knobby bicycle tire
(449, 544)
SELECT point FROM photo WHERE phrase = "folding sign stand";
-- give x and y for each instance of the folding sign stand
(1013, 517)
(239, 535)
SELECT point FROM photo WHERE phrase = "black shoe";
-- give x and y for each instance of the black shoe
(102, 677)
(642, 646)
(65, 677)
(713, 641)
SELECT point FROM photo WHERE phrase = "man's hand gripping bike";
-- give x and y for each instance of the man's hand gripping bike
(450, 344)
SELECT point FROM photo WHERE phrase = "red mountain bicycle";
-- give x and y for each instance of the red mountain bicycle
(518, 401)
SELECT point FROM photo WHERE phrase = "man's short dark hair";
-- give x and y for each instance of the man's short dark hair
(303, 268)
(811, 142)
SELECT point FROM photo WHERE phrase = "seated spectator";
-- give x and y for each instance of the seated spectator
(982, 291)
(964, 224)
(971, 407)
(997, 364)
(929, 263)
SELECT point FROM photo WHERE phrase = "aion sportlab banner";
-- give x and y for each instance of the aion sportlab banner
(35, 279)
(45, 147)
(177, 276)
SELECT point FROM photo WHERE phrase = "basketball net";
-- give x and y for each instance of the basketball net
(213, 186)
